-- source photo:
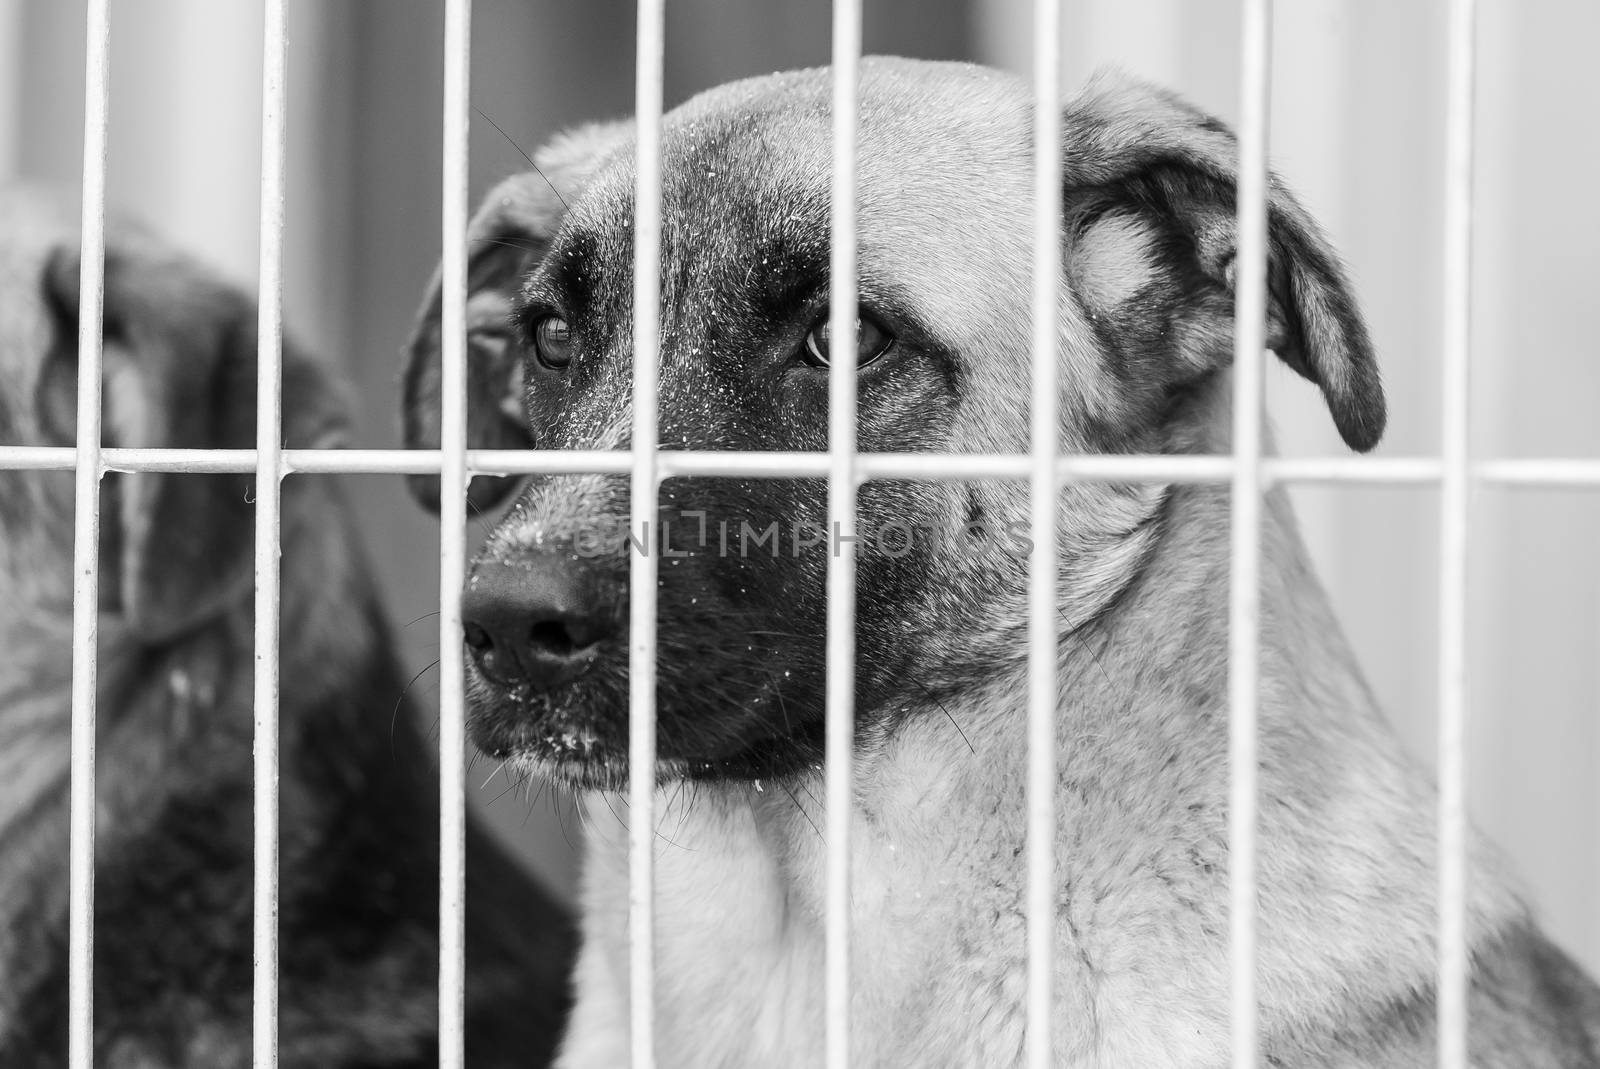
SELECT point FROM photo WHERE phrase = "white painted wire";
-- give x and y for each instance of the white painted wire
(86, 546)
(1455, 491)
(841, 652)
(453, 480)
(649, 70)
(269, 472)
(1547, 472)
(1244, 605)
(1246, 470)
(1042, 622)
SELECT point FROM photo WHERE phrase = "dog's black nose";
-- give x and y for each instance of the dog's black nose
(534, 622)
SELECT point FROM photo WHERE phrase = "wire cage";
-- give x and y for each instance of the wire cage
(1249, 471)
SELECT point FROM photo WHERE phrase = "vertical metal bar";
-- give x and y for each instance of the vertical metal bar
(1042, 620)
(269, 474)
(649, 64)
(1454, 502)
(452, 536)
(1244, 607)
(86, 545)
(841, 672)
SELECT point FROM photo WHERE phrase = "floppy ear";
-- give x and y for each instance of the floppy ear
(506, 239)
(1150, 208)
(179, 370)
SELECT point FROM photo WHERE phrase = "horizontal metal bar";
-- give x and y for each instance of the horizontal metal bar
(742, 465)
(1552, 472)
(1383, 470)
(318, 461)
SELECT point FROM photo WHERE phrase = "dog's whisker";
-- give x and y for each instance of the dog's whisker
(605, 797)
(497, 770)
(562, 818)
(665, 810)
(504, 242)
(394, 714)
(1084, 641)
(802, 810)
(524, 154)
(512, 784)
(800, 783)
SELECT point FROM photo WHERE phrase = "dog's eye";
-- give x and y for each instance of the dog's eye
(552, 342)
(872, 341)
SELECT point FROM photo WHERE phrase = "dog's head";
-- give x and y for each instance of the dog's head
(179, 371)
(944, 223)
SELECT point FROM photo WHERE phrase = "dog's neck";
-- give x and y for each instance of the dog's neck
(939, 852)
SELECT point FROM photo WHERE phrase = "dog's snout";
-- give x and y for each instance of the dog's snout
(534, 622)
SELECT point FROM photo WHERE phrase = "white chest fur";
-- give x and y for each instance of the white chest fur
(937, 911)
(937, 930)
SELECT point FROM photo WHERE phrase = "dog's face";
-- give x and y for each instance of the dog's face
(944, 232)
(178, 371)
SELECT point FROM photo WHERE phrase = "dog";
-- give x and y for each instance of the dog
(1347, 915)
(358, 911)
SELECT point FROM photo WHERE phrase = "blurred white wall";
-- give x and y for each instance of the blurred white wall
(1356, 130)
(10, 85)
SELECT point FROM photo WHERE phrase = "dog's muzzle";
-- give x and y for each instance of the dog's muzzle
(537, 622)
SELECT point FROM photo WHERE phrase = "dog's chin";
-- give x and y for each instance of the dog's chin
(570, 752)
(599, 773)
(609, 772)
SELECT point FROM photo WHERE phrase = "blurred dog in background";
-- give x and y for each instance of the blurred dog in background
(359, 905)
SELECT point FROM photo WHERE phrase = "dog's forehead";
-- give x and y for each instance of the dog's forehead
(942, 173)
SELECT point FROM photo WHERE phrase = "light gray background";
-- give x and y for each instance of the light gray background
(1357, 119)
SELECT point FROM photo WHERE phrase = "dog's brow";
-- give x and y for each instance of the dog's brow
(564, 281)
(778, 285)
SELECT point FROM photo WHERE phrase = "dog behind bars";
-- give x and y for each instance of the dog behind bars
(1346, 874)
(358, 910)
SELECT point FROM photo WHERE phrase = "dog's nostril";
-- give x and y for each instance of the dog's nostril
(477, 639)
(564, 636)
(553, 636)
(492, 661)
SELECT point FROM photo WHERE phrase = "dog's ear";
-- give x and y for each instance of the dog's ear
(1150, 205)
(506, 239)
(179, 372)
